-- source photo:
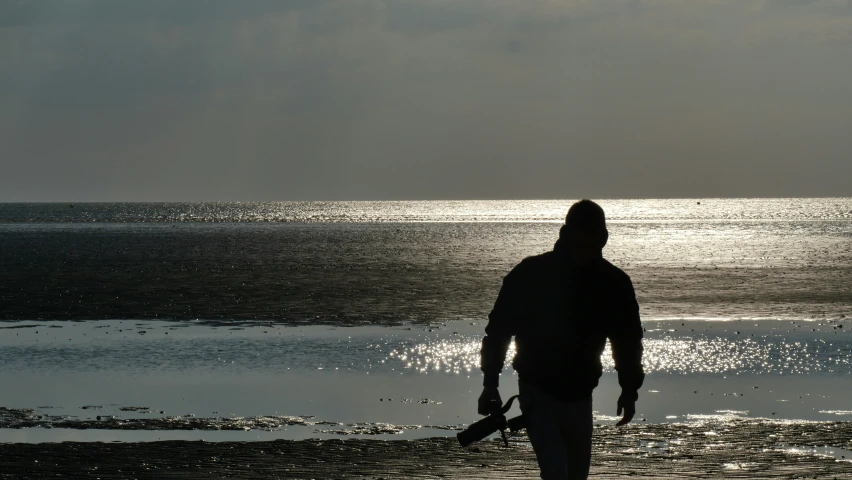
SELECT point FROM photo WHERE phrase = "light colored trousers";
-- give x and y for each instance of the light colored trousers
(560, 433)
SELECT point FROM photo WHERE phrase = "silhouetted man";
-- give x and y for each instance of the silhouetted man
(561, 307)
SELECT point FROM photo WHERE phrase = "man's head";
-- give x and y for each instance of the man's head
(584, 234)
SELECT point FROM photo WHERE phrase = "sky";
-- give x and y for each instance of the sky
(224, 100)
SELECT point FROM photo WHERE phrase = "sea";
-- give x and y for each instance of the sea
(293, 320)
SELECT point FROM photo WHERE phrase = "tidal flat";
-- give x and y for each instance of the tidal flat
(750, 449)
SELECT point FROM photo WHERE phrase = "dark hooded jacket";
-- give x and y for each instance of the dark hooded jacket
(561, 317)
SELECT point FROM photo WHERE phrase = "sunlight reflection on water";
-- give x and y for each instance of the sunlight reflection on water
(426, 211)
(713, 355)
(671, 347)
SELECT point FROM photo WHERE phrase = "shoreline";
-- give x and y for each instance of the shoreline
(740, 449)
(137, 381)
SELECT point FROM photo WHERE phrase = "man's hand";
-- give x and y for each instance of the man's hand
(629, 407)
(489, 399)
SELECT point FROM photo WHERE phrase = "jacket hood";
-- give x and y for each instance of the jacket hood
(561, 248)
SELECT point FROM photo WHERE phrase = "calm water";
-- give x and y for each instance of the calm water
(390, 263)
(318, 319)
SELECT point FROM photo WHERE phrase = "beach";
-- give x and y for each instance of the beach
(182, 400)
(754, 450)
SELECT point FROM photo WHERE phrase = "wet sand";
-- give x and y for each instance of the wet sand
(746, 449)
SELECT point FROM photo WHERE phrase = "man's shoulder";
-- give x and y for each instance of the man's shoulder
(533, 265)
(608, 268)
(614, 274)
(535, 262)
(536, 265)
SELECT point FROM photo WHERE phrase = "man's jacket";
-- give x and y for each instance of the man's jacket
(561, 317)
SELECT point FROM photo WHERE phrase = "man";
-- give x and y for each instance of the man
(561, 307)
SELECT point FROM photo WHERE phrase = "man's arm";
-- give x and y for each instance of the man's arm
(502, 325)
(626, 341)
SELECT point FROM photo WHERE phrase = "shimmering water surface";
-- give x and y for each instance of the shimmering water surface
(185, 380)
(718, 209)
(295, 320)
(391, 263)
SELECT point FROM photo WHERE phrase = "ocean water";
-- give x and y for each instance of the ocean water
(391, 263)
(296, 320)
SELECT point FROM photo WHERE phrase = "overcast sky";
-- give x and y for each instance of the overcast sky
(111, 100)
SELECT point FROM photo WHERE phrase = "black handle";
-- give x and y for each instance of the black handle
(480, 429)
(490, 424)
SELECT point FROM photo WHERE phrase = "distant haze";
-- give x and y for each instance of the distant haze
(137, 100)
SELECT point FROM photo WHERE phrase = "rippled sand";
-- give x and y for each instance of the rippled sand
(743, 449)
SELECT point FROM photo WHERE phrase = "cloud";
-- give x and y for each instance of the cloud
(150, 12)
(218, 99)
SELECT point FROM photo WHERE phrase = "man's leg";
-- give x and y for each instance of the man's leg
(576, 425)
(543, 428)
